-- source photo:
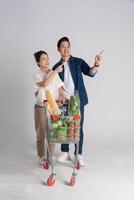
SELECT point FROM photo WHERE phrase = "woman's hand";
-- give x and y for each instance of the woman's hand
(59, 68)
(64, 100)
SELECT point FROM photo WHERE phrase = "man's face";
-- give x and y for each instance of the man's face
(44, 61)
(64, 49)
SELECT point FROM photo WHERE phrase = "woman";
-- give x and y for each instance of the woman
(44, 79)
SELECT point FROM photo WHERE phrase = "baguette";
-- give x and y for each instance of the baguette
(52, 102)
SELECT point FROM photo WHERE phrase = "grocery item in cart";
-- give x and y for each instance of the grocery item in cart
(74, 103)
(74, 127)
(48, 107)
(52, 103)
(74, 124)
(59, 128)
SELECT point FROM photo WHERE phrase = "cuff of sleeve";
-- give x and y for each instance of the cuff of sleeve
(92, 74)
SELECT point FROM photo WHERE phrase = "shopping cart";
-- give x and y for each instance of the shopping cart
(64, 129)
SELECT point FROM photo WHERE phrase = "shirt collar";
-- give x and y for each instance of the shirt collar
(68, 60)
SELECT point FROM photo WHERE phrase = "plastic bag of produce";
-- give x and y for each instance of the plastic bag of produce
(74, 103)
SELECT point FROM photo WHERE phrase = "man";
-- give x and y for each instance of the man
(71, 75)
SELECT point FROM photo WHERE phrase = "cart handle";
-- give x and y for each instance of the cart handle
(58, 101)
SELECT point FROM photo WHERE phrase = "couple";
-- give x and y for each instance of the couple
(62, 80)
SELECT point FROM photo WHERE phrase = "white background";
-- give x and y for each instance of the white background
(91, 25)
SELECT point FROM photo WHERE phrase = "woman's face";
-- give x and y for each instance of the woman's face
(44, 61)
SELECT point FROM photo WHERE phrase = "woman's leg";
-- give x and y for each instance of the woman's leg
(40, 126)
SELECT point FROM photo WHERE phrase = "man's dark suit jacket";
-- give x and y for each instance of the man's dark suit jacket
(78, 67)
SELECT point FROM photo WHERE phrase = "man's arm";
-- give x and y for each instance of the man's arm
(87, 70)
(98, 59)
(91, 71)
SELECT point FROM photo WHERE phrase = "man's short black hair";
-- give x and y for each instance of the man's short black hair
(38, 54)
(63, 39)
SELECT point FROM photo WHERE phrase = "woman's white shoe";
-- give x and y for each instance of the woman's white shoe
(41, 160)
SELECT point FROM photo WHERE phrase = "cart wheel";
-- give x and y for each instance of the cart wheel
(46, 165)
(50, 181)
(78, 165)
(72, 181)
